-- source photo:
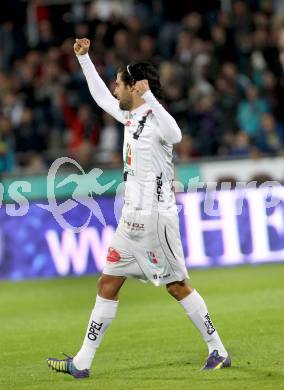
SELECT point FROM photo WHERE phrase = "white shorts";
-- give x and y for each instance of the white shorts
(148, 247)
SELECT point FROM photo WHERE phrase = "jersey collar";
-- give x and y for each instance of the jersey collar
(139, 110)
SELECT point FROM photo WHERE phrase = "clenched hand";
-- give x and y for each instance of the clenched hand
(81, 46)
(140, 87)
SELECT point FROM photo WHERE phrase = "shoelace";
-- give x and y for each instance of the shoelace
(68, 357)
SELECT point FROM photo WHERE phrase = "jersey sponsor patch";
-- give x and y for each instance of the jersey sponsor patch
(113, 255)
(141, 125)
(128, 160)
(128, 157)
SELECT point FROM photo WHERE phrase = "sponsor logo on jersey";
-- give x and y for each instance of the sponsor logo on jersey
(141, 125)
(128, 123)
(94, 330)
(151, 257)
(159, 182)
(128, 156)
(209, 324)
(128, 160)
(113, 255)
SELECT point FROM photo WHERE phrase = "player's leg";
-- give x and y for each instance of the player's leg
(197, 311)
(120, 264)
(101, 317)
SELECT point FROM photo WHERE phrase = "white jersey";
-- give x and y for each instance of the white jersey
(149, 134)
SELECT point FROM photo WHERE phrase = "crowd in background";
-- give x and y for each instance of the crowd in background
(221, 71)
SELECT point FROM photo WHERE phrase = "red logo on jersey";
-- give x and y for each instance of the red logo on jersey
(113, 256)
(128, 123)
(128, 154)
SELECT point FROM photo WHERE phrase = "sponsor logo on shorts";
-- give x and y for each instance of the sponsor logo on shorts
(94, 330)
(113, 255)
(151, 257)
(164, 276)
(155, 276)
(209, 324)
(134, 225)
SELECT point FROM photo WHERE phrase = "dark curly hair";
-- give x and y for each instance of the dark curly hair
(142, 71)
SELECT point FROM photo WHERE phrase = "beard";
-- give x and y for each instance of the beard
(125, 104)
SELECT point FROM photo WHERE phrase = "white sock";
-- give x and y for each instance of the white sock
(197, 311)
(102, 315)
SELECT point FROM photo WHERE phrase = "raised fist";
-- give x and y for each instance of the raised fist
(140, 87)
(81, 46)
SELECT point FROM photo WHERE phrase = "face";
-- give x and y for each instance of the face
(123, 93)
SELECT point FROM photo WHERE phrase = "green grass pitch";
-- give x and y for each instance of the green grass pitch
(151, 344)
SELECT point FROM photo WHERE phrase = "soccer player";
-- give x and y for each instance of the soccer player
(146, 244)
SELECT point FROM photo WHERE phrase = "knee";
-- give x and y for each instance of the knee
(179, 290)
(105, 289)
(109, 286)
(174, 290)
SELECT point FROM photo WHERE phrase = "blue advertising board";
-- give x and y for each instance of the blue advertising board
(244, 229)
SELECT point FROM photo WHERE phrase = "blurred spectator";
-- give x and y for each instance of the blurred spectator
(222, 74)
(186, 149)
(7, 158)
(271, 136)
(147, 48)
(81, 123)
(205, 125)
(109, 141)
(184, 47)
(222, 48)
(83, 155)
(6, 45)
(46, 36)
(240, 145)
(250, 111)
(27, 133)
(270, 90)
(34, 163)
